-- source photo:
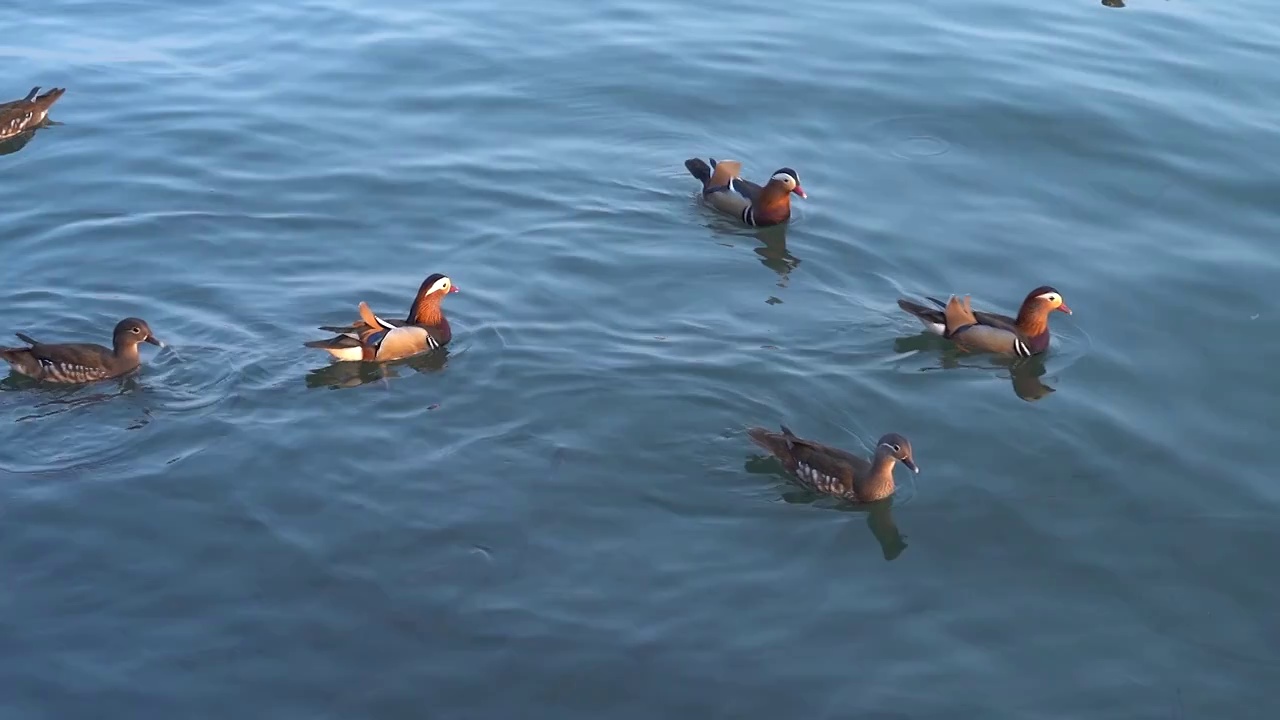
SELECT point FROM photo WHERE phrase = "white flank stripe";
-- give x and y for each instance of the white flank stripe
(353, 353)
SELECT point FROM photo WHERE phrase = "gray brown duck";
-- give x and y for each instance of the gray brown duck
(81, 362)
(833, 471)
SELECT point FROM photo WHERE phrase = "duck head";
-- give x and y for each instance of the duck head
(897, 447)
(787, 179)
(426, 306)
(1046, 299)
(131, 331)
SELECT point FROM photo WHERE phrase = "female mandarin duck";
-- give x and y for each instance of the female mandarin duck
(832, 471)
(19, 116)
(81, 362)
(375, 339)
(752, 204)
(1023, 336)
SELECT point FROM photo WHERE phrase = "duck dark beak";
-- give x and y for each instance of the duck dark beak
(1063, 308)
(800, 191)
(911, 464)
(154, 341)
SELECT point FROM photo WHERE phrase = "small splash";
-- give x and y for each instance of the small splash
(912, 137)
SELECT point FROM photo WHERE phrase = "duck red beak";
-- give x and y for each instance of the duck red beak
(800, 191)
(453, 288)
(1063, 308)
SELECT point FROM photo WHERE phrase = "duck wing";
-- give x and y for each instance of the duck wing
(997, 320)
(821, 467)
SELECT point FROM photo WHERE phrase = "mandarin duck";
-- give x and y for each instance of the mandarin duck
(748, 202)
(81, 362)
(19, 116)
(1023, 336)
(832, 471)
(375, 339)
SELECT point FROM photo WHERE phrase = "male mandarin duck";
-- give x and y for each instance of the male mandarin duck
(1023, 336)
(81, 362)
(832, 471)
(19, 116)
(752, 204)
(375, 339)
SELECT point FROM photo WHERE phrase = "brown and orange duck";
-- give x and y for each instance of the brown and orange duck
(375, 339)
(832, 471)
(18, 116)
(1022, 336)
(755, 205)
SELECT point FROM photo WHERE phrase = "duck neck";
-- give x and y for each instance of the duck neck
(879, 483)
(773, 204)
(126, 350)
(426, 311)
(1033, 320)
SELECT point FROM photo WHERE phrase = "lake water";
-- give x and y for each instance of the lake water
(564, 517)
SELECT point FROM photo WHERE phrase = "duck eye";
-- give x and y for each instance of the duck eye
(135, 330)
(896, 448)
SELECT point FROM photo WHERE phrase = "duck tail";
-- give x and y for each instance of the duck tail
(924, 313)
(777, 444)
(698, 168)
(47, 100)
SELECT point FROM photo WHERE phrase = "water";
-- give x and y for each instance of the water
(563, 518)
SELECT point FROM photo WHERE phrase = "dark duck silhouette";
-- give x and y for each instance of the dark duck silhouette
(18, 116)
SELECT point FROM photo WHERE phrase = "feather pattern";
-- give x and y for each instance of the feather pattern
(18, 116)
(832, 471)
(373, 338)
(81, 362)
(1023, 336)
(752, 204)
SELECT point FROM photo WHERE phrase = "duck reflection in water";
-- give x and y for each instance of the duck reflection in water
(64, 398)
(827, 472)
(1010, 338)
(354, 374)
(773, 253)
(1023, 373)
(21, 119)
